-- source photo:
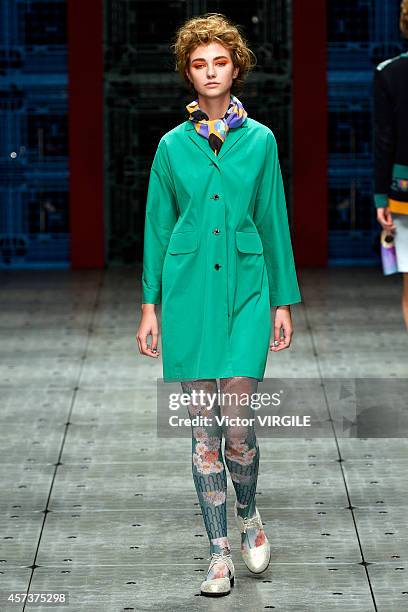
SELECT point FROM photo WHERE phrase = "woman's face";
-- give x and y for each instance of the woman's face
(211, 63)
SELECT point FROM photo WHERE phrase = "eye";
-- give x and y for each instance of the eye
(198, 66)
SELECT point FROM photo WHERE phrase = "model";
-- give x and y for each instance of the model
(391, 152)
(218, 257)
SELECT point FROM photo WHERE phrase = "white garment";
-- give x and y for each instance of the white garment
(401, 240)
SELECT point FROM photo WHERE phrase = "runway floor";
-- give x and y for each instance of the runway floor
(96, 506)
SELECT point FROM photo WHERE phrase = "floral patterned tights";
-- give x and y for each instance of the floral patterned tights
(241, 455)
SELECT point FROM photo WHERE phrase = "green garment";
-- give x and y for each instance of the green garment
(217, 250)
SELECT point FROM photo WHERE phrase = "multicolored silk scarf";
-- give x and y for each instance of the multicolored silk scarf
(216, 130)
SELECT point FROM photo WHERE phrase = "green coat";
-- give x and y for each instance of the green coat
(217, 250)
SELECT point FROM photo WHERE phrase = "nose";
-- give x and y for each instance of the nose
(210, 70)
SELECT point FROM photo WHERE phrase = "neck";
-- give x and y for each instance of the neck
(215, 108)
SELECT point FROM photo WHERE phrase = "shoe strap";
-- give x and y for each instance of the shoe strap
(219, 557)
(254, 521)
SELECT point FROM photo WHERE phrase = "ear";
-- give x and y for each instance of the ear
(235, 72)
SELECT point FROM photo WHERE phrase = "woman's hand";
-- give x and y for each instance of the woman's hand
(384, 218)
(148, 326)
(283, 320)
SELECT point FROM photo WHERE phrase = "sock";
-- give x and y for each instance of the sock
(208, 469)
(242, 451)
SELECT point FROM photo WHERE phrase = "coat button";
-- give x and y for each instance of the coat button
(217, 266)
(216, 196)
(216, 231)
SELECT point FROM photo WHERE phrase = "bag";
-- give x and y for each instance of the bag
(388, 253)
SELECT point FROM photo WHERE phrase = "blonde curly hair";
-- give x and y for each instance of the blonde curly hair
(208, 28)
(404, 18)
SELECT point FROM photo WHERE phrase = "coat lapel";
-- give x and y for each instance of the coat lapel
(233, 136)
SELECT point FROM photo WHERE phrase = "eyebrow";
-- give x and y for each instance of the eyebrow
(202, 59)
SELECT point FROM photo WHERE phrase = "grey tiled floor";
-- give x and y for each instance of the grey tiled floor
(94, 504)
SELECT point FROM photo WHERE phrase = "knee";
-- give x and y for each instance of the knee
(242, 450)
(207, 454)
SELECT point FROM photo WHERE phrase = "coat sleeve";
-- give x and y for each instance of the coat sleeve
(160, 219)
(384, 139)
(271, 220)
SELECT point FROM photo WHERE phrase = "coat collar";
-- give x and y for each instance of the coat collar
(233, 136)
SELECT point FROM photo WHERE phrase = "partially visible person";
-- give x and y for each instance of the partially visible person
(391, 152)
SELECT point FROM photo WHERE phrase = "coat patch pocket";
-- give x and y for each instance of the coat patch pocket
(183, 242)
(249, 242)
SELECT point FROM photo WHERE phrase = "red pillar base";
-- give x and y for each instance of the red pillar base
(310, 147)
(85, 113)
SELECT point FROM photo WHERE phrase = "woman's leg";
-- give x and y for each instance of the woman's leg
(208, 467)
(242, 451)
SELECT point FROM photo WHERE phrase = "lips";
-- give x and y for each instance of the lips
(211, 84)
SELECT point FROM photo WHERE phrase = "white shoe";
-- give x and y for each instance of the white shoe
(219, 586)
(256, 559)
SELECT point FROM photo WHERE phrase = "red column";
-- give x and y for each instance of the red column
(310, 147)
(85, 109)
